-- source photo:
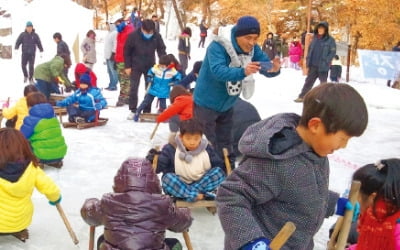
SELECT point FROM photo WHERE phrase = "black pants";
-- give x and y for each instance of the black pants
(218, 129)
(312, 76)
(133, 93)
(30, 60)
(202, 41)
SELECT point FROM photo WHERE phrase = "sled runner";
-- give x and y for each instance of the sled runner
(60, 111)
(148, 117)
(83, 125)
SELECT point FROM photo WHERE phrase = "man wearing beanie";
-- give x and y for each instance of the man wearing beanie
(29, 40)
(89, 101)
(226, 72)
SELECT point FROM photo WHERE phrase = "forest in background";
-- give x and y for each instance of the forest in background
(364, 24)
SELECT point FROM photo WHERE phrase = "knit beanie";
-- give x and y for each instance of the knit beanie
(247, 25)
(85, 78)
(29, 24)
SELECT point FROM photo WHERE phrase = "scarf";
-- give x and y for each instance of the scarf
(187, 156)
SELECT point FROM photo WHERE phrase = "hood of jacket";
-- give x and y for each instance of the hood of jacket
(42, 110)
(136, 174)
(13, 171)
(274, 138)
(323, 24)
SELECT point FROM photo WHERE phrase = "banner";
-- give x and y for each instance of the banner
(379, 64)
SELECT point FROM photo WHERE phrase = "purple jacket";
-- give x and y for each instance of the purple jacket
(136, 215)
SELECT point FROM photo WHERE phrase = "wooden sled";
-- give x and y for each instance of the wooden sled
(148, 117)
(60, 111)
(99, 122)
(56, 97)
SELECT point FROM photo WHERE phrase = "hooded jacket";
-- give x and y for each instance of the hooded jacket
(50, 70)
(29, 42)
(280, 179)
(20, 109)
(137, 214)
(327, 49)
(43, 131)
(17, 181)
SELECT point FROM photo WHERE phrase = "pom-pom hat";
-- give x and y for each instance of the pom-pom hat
(247, 25)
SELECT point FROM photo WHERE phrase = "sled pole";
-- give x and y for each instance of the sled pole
(283, 235)
(67, 225)
(187, 240)
(227, 162)
(92, 231)
(341, 231)
(154, 131)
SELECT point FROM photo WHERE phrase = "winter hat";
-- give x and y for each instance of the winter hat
(29, 24)
(85, 78)
(247, 25)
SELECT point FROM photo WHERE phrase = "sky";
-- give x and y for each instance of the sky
(95, 154)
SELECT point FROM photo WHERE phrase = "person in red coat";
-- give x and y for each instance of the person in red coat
(81, 69)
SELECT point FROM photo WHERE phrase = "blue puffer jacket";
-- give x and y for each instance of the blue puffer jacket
(43, 131)
(162, 80)
(210, 91)
(86, 101)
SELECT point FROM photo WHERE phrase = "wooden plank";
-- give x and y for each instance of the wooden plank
(201, 203)
(148, 117)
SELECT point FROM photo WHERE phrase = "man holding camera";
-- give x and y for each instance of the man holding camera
(226, 72)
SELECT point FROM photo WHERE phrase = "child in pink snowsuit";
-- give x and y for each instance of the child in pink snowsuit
(295, 53)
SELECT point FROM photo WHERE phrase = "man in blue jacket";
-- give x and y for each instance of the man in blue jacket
(225, 73)
(29, 40)
(320, 54)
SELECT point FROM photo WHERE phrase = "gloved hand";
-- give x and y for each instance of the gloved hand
(150, 155)
(55, 202)
(344, 204)
(97, 106)
(41, 55)
(58, 79)
(259, 244)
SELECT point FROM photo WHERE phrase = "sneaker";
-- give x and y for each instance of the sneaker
(130, 116)
(136, 117)
(111, 88)
(79, 120)
(298, 99)
(210, 196)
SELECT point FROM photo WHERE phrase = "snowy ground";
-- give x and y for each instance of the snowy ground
(95, 154)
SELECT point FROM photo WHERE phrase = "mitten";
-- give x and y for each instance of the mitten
(97, 106)
(258, 244)
(344, 204)
(150, 155)
(55, 202)
(68, 88)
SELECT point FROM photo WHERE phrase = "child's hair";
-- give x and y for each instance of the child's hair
(382, 178)
(35, 98)
(191, 126)
(339, 106)
(57, 35)
(188, 31)
(174, 61)
(14, 147)
(176, 91)
(29, 89)
(164, 60)
(148, 25)
(336, 57)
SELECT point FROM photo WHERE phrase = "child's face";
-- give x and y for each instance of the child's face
(324, 143)
(191, 141)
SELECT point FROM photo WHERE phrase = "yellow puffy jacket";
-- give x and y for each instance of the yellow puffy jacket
(16, 207)
(20, 109)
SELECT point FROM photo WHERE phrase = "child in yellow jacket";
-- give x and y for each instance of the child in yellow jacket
(20, 109)
(19, 175)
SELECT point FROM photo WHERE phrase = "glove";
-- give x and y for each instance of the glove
(258, 244)
(97, 106)
(58, 79)
(344, 204)
(53, 203)
(150, 155)
(41, 55)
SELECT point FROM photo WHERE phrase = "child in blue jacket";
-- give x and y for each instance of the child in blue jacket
(89, 101)
(161, 77)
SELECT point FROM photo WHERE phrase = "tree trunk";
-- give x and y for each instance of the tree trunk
(161, 6)
(177, 13)
(105, 6)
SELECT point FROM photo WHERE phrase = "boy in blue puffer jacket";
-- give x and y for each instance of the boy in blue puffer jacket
(161, 77)
(89, 101)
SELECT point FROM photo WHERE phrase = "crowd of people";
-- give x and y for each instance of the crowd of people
(284, 171)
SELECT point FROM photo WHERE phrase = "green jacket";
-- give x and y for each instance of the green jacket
(50, 70)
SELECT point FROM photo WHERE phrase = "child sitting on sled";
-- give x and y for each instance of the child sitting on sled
(19, 175)
(191, 168)
(137, 214)
(89, 99)
(161, 77)
(42, 128)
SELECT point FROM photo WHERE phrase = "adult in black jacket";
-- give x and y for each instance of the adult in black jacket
(29, 40)
(62, 49)
(139, 57)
